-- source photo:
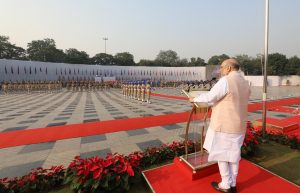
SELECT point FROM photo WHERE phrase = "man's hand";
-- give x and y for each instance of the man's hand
(191, 99)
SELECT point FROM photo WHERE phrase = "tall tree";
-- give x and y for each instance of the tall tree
(197, 62)
(167, 58)
(10, 51)
(103, 59)
(247, 63)
(44, 50)
(74, 56)
(293, 66)
(182, 62)
(144, 62)
(124, 59)
(217, 60)
(277, 63)
(257, 66)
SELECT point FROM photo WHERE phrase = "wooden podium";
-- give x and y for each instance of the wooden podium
(196, 164)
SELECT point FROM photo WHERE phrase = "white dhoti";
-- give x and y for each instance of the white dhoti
(223, 146)
(226, 149)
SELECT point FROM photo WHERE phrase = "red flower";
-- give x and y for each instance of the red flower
(130, 170)
(97, 174)
(32, 178)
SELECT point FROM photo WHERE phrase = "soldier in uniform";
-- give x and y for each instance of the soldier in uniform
(4, 88)
(135, 91)
(148, 91)
(138, 91)
(131, 90)
(89, 86)
(207, 85)
(125, 89)
(49, 87)
(9, 87)
(143, 91)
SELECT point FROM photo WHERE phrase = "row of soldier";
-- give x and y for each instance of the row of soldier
(31, 86)
(137, 90)
(54, 86)
(200, 85)
(88, 85)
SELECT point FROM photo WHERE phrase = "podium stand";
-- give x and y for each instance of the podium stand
(196, 164)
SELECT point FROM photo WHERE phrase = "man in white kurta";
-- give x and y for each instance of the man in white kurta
(227, 128)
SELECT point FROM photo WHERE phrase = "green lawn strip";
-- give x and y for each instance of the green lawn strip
(279, 159)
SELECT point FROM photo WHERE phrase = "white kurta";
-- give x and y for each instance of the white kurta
(220, 146)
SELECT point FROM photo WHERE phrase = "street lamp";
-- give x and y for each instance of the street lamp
(105, 39)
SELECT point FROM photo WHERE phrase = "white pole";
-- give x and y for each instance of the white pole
(264, 97)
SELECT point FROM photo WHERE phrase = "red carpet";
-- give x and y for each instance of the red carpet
(294, 118)
(282, 109)
(251, 179)
(273, 104)
(39, 135)
(281, 124)
(251, 107)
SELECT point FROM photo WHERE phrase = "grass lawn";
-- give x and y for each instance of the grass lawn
(279, 159)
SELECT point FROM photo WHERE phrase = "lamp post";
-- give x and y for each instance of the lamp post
(105, 39)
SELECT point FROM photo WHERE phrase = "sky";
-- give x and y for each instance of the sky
(192, 28)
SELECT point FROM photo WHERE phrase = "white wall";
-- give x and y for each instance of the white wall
(273, 80)
(16, 70)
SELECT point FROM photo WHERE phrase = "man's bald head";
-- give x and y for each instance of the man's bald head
(228, 66)
(233, 63)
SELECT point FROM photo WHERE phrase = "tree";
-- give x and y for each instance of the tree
(103, 59)
(182, 62)
(217, 60)
(167, 58)
(73, 56)
(293, 66)
(44, 50)
(277, 63)
(144, 62)
(257, 66)
(197, 62)
(247, 64)
(59, 55)
(10, 51)
(124, 59)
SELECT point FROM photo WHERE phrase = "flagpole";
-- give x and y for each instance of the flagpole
(264, 97)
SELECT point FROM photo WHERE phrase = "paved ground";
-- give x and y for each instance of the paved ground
(42, 110)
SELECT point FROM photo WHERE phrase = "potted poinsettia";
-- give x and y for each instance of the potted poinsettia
(103, 174)
(251, 140)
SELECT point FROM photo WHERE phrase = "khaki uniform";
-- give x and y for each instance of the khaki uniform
(143, 91)
(148, 91)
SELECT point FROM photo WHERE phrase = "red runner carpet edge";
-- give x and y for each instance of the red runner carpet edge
(169, 96)
(251, 179)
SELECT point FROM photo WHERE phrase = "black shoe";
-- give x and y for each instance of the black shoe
(233, 189)
(215, 185)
